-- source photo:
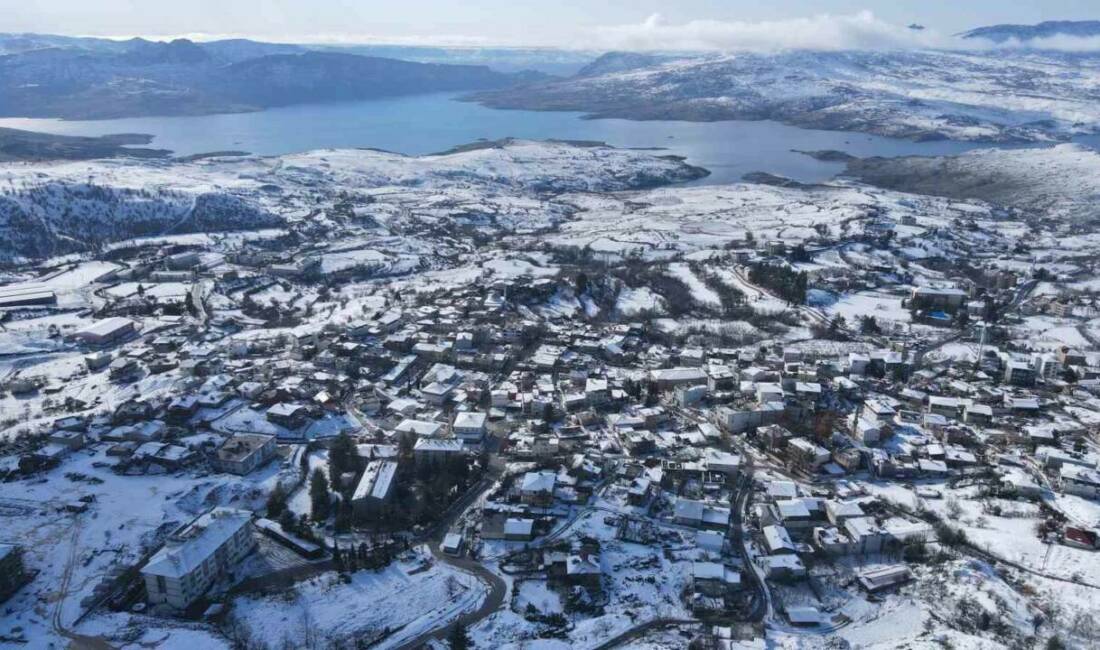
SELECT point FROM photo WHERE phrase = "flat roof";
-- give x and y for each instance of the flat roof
(192, 545)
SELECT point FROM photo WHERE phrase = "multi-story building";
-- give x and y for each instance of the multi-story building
(244, 452)
(197, 555)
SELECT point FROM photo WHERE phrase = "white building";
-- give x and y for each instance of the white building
(470, 426)
(106, 331)
(198, 555)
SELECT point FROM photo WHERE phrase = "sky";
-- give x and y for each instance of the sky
(594, 24)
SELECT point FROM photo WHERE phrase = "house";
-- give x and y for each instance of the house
(420, 428)
(866, 535)
(470, 426)
(287, 415)
(124, 369)
(453, 544)
(782, 567)
(376, 487)
(805, 455)
(778, 541)
(881, 578)
(73, 440)
(595, 391)
(669, 378)
(689, 512)
(244, 452)
(519, 530)
(437, 393)
(639, 492)
(713, 579)
(1081, 481)
(839, 512)
(948, 407)
(1081, 538)
(168, 456)
(197, 555)
(537, 488)
(774, 436)
(978, 414)
(690, 395)
(722, 461)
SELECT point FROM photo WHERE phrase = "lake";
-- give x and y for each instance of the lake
(431, 123)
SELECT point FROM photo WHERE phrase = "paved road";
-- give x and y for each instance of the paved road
(498, 589)
(639, 631)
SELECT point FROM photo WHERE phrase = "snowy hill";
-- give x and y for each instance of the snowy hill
(917, 95)
(1061, 183)
(66, 207)
(1047, 29)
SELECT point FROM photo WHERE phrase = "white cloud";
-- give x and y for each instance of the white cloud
(824, 32)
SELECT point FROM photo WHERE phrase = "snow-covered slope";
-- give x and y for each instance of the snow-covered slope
(956, 95)
(661, 222)
(60, 208)
(1061, 182)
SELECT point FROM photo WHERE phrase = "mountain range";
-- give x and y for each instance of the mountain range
(84, 78)
(998, 96)
(1006, 96)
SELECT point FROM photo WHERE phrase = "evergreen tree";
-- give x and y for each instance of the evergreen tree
(458, 638)
(319, 496)
(341, 458)
(405, 445)
(287, 521)
(582, 283)
(276, 501)
(343, 516)
(869, 325)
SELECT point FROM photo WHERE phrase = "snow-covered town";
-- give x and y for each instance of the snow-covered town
(544, 394)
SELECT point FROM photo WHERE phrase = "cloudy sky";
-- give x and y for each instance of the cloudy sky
(597, 24)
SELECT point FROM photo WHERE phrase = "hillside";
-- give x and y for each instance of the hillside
(1047, 29)
(55, 209)
(1060, 183)
(1007, 97)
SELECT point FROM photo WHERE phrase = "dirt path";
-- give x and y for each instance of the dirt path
(76, 641)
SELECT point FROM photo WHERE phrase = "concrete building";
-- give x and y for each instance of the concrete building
(198, 555)
(537, 488)
(376, 487)
(244, 452)
(470, 426)
(437, 450)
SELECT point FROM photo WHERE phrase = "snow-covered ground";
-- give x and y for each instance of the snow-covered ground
(383, 609)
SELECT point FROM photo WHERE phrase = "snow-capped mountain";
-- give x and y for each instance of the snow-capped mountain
(1001, 97)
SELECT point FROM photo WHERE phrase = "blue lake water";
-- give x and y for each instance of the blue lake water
(431, 123)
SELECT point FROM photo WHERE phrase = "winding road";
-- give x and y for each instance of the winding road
(498, 589)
